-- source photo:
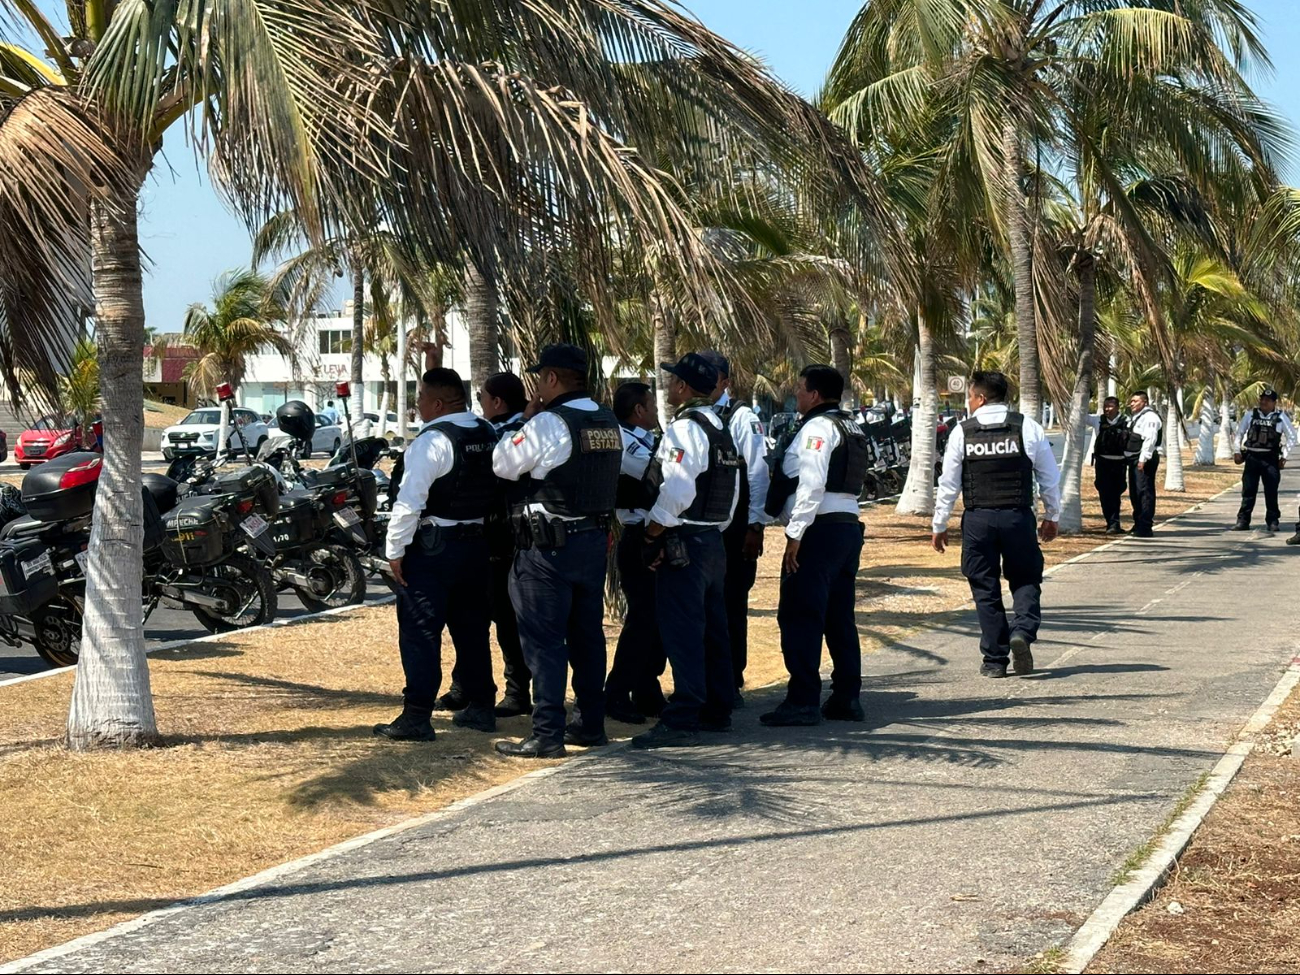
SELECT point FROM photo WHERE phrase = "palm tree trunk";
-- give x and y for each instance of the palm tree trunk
(665, 350)
(1205, 437)
(112, 703)
(1174, 480)
(358, 407)
(1223, 446)
(842, 359)
(385, 374)
(918, 492)
(481, 322)
(1017, 217)
(402, 369)
(1076, 424)
(437, 344)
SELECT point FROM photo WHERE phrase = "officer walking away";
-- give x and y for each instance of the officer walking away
(816, 485)
(1111, 458)
(743, 538)
(693, 476)
(632, 691)
(993, 458)
(1146, 434)
(438, 554)
(1264, 439)
(566, 462)
(503, 401)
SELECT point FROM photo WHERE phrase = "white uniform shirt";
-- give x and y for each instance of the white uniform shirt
(637, 454)
(1288, 431)
(747, 432)
(684, 456)
(541, 446)
(1037, 448)
(809, 458)
(429, 457)
(1147, 424)
(499, 425)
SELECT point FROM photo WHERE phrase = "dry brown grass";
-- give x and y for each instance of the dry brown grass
(1237, 886)
(270, 754)
(158, 416)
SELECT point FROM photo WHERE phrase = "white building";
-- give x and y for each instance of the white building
(325, 358)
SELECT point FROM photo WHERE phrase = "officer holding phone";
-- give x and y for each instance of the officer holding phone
(438, 556)
(693, 490)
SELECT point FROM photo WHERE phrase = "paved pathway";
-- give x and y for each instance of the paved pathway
(967, 826)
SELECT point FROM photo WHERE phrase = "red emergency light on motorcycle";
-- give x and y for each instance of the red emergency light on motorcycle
(343, 390)
(225, 393)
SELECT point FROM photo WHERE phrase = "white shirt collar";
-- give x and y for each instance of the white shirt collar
(450, 417)
(724, 399)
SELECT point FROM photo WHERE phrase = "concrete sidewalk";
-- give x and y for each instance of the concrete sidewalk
(969, 825)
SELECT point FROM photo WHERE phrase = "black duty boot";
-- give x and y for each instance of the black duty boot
(1274, 526)
(476, 717)
(1241, 526)
(512, 707)
(407, 726)
(531, 747)
(454, 700)
(621, 709)
(715, 722)
(575, 734)
(841, 709)
(1114, 529)
(790, 716)
(662, 736)
(1022, 659)
(993, 670)
(1294, 539)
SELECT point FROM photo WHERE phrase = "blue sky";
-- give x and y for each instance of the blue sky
(190, 239)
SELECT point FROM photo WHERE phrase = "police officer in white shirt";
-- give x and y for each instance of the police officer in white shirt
(1146, 434)
(632, 690)
(438, 556)
(694, 477)
(565, 462)
(743, 539)
(993, 458)
(816, 488)
(1265, 437)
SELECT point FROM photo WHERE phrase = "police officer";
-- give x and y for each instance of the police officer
(993, 458)
(503, 401)
(1111, 458)
(438, 555)
(743, 538)
(815, 485)
(1146, 434)
(565, 461)
(693, 477)
(632, 691)
(1264, 439)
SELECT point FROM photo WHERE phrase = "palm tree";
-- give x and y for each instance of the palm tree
(79, 389)
(1011, 73)
(244, 320)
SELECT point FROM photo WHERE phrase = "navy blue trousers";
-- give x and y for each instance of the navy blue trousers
(559, 600)
(692, 612)
(817, 601)
(444, 589)
(1260, 468)
(1142, 493)
(997, 542)
(639, 656)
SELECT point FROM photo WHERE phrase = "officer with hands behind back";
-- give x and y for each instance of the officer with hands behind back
(438, 556)
(693, 481)
(565, 461)
(993, 459)
(1264, 439)
(816, 483)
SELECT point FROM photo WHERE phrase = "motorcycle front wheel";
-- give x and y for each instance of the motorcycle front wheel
(342, 579)
(248, 586)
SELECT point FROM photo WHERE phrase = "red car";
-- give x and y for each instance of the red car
(48, 438)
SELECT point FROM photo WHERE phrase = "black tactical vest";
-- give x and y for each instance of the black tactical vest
(469, 490)
(1263, 435)
(996, 471)
(1135, 438)
(632, 493)
(586, 484)
(849, 462)
(1112, 439)
(715, 486)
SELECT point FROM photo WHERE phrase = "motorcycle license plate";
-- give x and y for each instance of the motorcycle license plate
(253, 525)
(82, 559)
(37, 566)
(347, 517)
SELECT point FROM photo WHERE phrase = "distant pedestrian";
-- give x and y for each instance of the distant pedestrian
(330, 412)
(993, 459)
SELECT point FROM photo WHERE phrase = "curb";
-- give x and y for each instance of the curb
(214, 637)
(1129, 896)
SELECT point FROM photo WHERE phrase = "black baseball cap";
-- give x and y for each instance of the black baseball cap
(696, 371)
(1268, 393)
(561, 355)
(719, 361)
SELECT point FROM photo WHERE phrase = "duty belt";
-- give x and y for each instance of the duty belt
(455, 531)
